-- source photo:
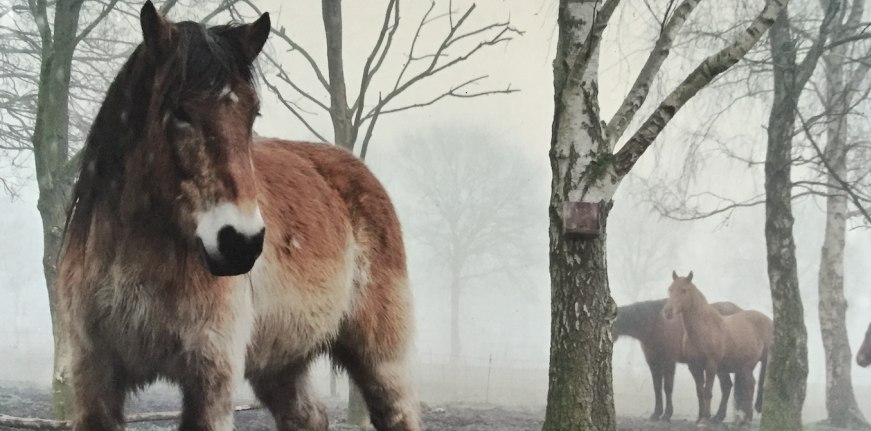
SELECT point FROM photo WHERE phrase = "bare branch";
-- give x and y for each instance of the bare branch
(87, 30)
(844, 185)
(290, 106)
(638, 94)
(283, 36)
(698, 79)
(48, 424)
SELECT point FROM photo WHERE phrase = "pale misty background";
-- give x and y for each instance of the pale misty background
(504, 313)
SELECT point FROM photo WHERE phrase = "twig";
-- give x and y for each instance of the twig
(48, 424)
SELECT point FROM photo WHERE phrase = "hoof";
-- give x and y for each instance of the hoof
(654, 417)
(718, 419)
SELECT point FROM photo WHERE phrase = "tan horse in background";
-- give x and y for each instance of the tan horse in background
(195, 255)
(661, 342)
(716, 345)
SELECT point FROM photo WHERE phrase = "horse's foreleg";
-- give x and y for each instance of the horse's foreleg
(668, 383)
(725, 391)
(207, 402)
(99, 392)
(699, 377)
(288, 395)
(656, 373)
(710, 375)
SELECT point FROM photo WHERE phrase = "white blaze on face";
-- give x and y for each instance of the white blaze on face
(247, 221)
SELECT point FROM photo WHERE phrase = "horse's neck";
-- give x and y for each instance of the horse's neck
(699, 320)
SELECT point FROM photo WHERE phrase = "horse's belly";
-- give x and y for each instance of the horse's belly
(295, 317)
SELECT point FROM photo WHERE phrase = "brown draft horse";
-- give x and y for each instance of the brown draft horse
(716, 345)
(661, 341)
(863, 356)
(195, 255)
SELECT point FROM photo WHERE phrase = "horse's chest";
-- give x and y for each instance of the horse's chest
(150, 330)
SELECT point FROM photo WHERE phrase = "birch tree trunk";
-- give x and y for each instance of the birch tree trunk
(841, 406)
(580, 395)
(787, 377)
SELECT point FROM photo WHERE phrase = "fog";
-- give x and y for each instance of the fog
(504, 313)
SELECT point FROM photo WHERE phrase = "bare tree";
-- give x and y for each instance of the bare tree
(470, 204)
(842, 88)
(458, 45)
(586, 173)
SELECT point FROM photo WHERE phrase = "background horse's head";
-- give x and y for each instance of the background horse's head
(170, 150)
(682, 296)
(863, 356)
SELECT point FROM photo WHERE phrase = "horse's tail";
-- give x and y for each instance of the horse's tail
(762, 380)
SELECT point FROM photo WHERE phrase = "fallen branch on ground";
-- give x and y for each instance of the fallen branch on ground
(48, 424)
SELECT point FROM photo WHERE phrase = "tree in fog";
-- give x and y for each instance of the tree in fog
(587, 169)
(639, 250)
(471, 202)
(459, 42)
(57, 60)
(844, 85)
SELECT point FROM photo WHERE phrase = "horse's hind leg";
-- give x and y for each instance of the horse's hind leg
(656, 373)
(668, 383)
(745, 404)
(725, 391)
(386, 386)
(288, 395)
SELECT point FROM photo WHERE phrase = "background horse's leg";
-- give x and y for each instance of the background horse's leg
(288, 395)
(656, 373)
(668, 377)
(698, 373)
(725, 391)
(99, 392)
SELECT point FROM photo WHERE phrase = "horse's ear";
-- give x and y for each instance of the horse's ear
(253, 36)
(156, 30)
(690, 277)
(673, 275)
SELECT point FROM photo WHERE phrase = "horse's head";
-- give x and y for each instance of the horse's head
(195, 156)
(681, 295)
(863, 356)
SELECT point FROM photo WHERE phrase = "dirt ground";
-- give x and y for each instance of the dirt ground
(32, 402)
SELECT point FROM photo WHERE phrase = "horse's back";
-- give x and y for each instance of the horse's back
(726, 308)
(750, 335)
(333, 232)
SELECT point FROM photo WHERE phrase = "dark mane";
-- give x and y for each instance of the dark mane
(634, 318)
(203, 61)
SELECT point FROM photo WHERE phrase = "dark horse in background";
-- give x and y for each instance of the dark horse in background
(661, 343)
(196, 255)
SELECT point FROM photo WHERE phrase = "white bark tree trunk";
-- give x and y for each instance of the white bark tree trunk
(841, 406)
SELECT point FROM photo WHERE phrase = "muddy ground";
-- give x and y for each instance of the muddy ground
(36, 403)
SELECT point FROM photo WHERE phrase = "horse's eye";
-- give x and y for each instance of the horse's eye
(182, 116)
